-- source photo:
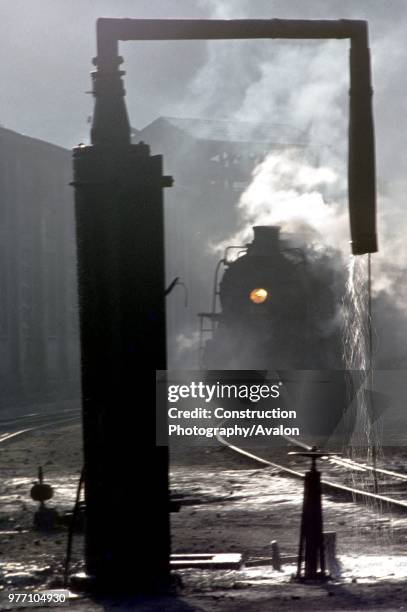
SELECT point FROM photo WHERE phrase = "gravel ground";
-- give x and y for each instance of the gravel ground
(230, 505)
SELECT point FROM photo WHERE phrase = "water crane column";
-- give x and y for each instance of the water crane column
(120, 236)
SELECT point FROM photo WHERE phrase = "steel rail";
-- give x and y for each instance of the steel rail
(326, 484)
(9, 435)
(349, 463)
(37, 416)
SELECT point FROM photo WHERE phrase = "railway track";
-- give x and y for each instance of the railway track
(12, 428)
(334, 479)
(337, 471)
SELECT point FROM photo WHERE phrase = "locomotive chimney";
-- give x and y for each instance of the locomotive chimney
(266, 240)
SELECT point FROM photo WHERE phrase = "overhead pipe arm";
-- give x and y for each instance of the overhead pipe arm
(111, 124)
(109, 31)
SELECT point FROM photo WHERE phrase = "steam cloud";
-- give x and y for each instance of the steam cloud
(292, 193)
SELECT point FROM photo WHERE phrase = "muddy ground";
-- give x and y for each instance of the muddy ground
(230, 505)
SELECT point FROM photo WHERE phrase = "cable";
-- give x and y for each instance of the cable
(171, 286)
(71, 529)
(177, 283)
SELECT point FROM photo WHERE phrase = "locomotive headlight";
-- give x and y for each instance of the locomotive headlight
(258, 296)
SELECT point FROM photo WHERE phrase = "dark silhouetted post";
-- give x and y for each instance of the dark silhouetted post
(119, 218)
(311, 549)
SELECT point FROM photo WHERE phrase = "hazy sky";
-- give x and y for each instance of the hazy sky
(46, 48)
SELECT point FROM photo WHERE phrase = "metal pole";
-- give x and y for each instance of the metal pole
(311, 549)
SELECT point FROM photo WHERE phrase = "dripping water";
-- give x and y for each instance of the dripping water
(365, 442)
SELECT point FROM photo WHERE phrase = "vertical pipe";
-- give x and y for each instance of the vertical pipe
(361, 165)
(110, 126)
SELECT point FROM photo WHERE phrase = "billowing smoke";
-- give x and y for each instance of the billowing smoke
(297, 196)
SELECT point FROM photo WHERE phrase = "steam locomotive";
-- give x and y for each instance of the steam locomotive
(276, 311)
(279, 308)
